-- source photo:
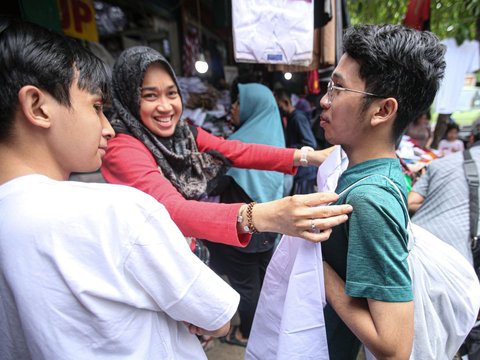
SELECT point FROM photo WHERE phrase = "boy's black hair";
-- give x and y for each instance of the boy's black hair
(398, 62)
(33, 55)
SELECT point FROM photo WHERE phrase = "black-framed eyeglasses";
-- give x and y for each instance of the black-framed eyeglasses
(331, 86)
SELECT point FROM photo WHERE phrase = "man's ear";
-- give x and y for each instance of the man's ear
(385, 111)
(33, 103)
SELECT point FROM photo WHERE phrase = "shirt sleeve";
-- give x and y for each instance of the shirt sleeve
(377, 266)
(423, 183)
(161, 263)
(128, 162)
(249, 156)
(475, 57)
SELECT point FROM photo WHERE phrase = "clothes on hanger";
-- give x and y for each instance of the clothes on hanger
(273, 31)
(460, 59)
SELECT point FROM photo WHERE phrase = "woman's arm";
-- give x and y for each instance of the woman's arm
(247, 155)
(261, 157)
(128, 162)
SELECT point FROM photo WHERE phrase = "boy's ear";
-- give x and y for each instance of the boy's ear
(385, 110)
(33, 103)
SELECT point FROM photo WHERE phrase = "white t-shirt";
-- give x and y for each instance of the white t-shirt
(96, 271)
(460, 60)
(273, 32)
(448, 147)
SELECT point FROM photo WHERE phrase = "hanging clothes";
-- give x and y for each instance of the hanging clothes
(460, 60)
(418, 15)
(327, 40)
(332, 16)
(313, 82)
(273, 31)
(191, 46)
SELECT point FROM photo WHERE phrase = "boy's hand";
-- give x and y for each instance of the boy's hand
(195, 330)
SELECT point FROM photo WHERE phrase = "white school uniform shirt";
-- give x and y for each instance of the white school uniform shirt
(273, 31)
(460, 60)
(289, 322)
(99, 271)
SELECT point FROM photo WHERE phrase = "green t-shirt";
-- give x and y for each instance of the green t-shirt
(370, 251)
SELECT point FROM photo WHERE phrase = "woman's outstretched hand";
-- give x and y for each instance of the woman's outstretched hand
(301, 215)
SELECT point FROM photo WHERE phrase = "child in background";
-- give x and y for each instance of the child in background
(451, 143)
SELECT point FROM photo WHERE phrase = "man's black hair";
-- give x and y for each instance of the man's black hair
(398, 62)
(33, 55)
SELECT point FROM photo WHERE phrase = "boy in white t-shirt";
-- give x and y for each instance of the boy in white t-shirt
(87, 271)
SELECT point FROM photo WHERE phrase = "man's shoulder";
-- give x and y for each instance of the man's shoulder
(374, 192)
(112, 194)
(65, 198)
(447, 162)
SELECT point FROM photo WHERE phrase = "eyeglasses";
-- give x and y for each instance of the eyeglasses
(330, 88)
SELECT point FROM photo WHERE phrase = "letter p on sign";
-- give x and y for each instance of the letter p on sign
(78, 19)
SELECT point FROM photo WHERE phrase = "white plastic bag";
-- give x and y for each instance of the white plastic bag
(446, 294)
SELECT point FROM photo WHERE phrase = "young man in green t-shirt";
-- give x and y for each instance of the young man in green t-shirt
(387, 76)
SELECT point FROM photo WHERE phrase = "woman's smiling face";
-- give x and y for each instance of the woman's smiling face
(160, 101)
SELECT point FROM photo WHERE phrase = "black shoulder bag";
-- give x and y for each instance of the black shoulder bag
(471, 174)
(471, 346)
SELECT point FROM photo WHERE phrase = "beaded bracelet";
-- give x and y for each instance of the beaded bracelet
(251, 228)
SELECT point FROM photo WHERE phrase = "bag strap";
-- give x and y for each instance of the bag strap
(411, 239)
(471, 174)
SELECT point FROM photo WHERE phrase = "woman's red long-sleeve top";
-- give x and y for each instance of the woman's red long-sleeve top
(129, 162)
